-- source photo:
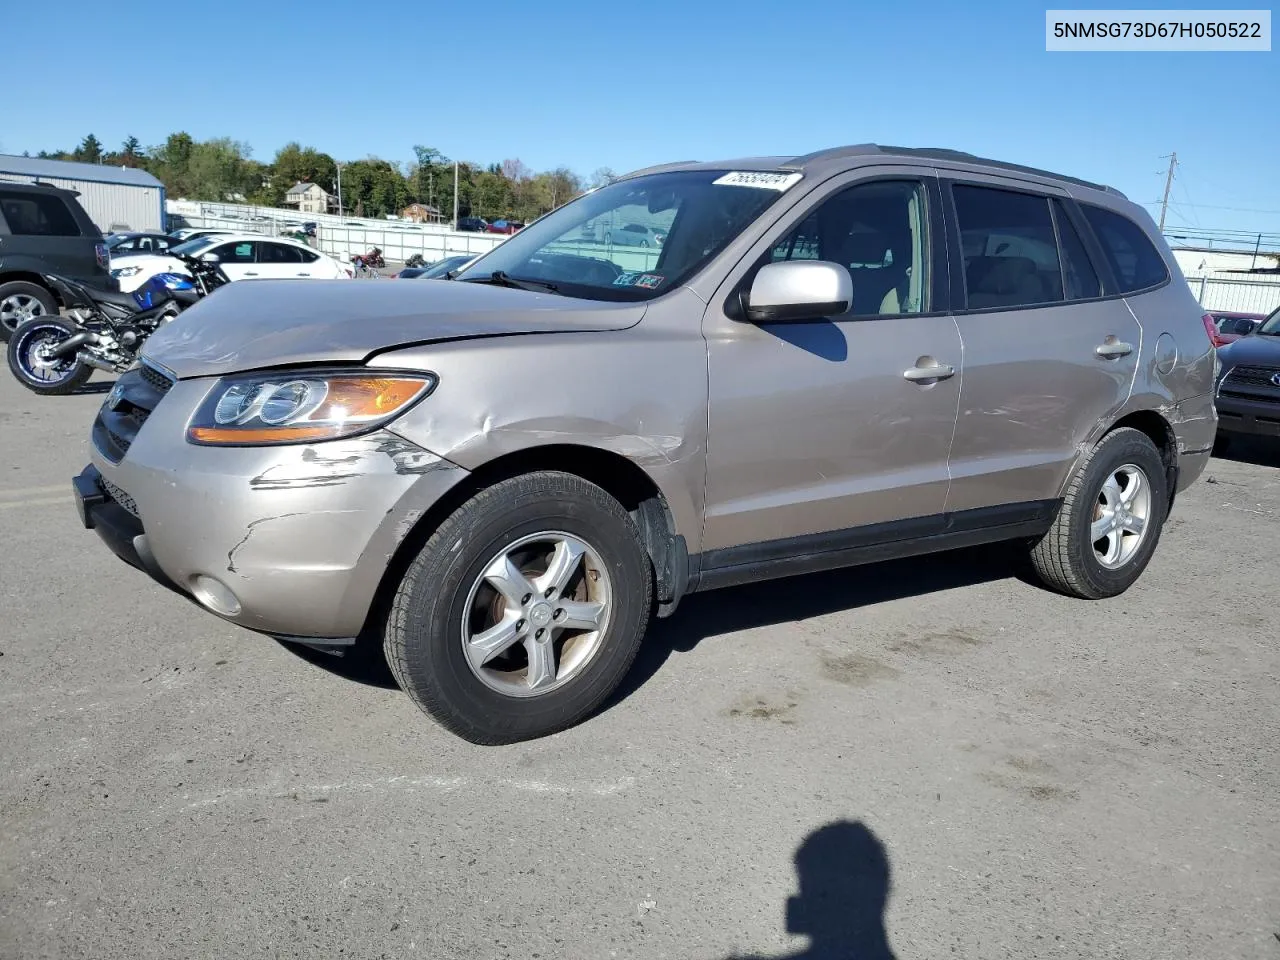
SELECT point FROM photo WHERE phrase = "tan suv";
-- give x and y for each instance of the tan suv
(863, 353)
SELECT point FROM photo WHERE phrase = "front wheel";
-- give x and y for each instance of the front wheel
(1110, 520)
(523, 611)
(31, 363)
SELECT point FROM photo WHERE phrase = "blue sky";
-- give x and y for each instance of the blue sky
(586, 84)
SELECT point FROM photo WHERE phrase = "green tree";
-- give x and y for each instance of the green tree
(171, 162)
(89, 151)
(298, 164)
(220, 169)
(131, 154)
(427, 175)
(373, 188)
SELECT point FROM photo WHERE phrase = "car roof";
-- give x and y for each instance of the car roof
(838, 159)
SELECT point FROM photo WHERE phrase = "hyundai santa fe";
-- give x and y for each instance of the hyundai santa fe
(862, 353)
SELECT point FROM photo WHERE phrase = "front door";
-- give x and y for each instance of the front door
(823, 427)
(1047, 357)
(238, 259)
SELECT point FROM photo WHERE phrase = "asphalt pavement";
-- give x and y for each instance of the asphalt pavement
(927, 758)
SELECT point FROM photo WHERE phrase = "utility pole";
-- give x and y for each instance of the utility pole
(455, 194)
(1168, 183)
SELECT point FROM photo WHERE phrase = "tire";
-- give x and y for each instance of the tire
(1067, 559)
(21, 301)
(66, 375)
(644, 243)
(444, 600)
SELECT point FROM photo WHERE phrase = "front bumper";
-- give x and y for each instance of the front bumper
(298, 536)
(1257, 417)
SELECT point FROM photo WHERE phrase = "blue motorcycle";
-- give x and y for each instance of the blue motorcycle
(102, 329)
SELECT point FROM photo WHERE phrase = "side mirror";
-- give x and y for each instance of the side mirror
(211, 258)
(799, 290)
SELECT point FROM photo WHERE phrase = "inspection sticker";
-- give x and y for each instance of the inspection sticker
(649, 281)
(758, 178)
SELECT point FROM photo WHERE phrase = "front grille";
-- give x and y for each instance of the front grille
(127, 407)
(119, 496)
(1251, 383)
(156, 379)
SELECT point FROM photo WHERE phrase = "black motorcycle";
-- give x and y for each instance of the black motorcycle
(103, 330)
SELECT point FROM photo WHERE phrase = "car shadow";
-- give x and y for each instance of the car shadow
(736, 608)
(95, 386)
(843, 877)
(1259, 451)
(732, 609)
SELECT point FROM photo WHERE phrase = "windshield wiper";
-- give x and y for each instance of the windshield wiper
(502, 279)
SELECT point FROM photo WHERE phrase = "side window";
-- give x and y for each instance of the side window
(235, 252)
(278, 253)
(37, 215)
(1130, 252)
(877, 231)
(1010, 253)
(1077, 269)
(308, 256)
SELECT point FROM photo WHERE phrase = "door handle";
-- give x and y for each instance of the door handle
(1113, 349)
(250, 273)
(929, 373)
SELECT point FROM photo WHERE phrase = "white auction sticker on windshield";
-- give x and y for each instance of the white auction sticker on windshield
(758, 178)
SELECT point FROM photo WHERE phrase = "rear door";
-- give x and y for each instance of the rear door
(281, 261)
(818, 439)
(40, 225)
(1049, 351)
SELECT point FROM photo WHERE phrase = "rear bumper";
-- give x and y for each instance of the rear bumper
(1237, 415)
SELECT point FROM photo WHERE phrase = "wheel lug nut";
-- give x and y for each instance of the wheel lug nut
(559, 614)
(520, 625)
(551, 592)
(526, 599)
(539, 634)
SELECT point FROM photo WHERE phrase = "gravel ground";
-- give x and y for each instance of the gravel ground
(931, 757)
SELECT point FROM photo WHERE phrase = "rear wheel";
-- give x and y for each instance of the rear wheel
(31, 363)
(21, 301)
(1110, 521)
(523, 611)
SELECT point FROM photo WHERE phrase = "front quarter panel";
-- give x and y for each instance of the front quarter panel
(639, 393)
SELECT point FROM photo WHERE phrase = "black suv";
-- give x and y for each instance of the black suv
(43, 230)
(476, 224)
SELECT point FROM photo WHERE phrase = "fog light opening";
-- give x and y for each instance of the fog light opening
(215, 595)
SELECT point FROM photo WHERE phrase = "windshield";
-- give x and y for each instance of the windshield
(590, 248)
(192, 247)
(1270, 326)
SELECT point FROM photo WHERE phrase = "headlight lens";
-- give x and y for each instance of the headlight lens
(303, 406)
(126, 271)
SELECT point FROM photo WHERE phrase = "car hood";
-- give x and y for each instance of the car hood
(1253, 349)
(266, 323)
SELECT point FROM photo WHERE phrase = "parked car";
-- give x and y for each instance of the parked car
(505, 226)
(634, 235)
(242, 256)
(1230, 325)
(194, 233)
(127, 244)
(43, 230)
(810, 377)
(1248, 394)
(437, 270)
(473, 224)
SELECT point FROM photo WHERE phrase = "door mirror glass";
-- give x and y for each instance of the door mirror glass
(211, 258)
(799, 290)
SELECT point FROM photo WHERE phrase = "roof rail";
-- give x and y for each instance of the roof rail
(945, 155)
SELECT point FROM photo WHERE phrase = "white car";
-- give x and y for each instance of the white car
(242, 256)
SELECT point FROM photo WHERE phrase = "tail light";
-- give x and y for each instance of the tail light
(100, 251)
(1211, 329)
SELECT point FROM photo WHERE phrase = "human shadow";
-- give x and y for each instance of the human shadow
(844, 880)
(732, 609)
(822, 338)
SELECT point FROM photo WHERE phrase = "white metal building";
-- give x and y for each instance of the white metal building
(116, 198)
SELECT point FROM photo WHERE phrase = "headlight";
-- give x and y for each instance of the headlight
(304, 405)
(125, 271)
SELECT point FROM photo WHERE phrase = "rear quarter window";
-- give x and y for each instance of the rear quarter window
(1134, 259)
(37, 215)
